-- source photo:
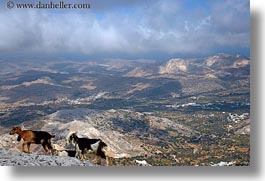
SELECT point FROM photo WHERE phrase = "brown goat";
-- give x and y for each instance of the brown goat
(37, 137)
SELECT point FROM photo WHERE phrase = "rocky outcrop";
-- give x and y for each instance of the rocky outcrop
(174, 66)
(8, 158)
(222, 63)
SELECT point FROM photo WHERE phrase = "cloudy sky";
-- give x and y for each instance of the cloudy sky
(150, 29)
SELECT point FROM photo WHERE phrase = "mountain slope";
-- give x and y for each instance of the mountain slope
(220, 63)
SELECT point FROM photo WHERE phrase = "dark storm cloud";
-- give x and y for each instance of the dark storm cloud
(132, 28)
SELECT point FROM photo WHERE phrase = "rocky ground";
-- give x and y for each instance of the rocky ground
(8, 158)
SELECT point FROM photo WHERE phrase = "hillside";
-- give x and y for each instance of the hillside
(184, 111)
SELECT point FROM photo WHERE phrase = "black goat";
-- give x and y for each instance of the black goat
(85, 144)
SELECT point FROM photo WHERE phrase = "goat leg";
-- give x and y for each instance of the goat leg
(50, 148)
(28, 146)
(45, 147)
(107, 161)
(22, 147)
(81, 157)
(95, 160)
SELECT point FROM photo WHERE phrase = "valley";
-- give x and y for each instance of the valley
(181, 112)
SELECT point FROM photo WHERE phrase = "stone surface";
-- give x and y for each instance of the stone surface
(8, 158)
